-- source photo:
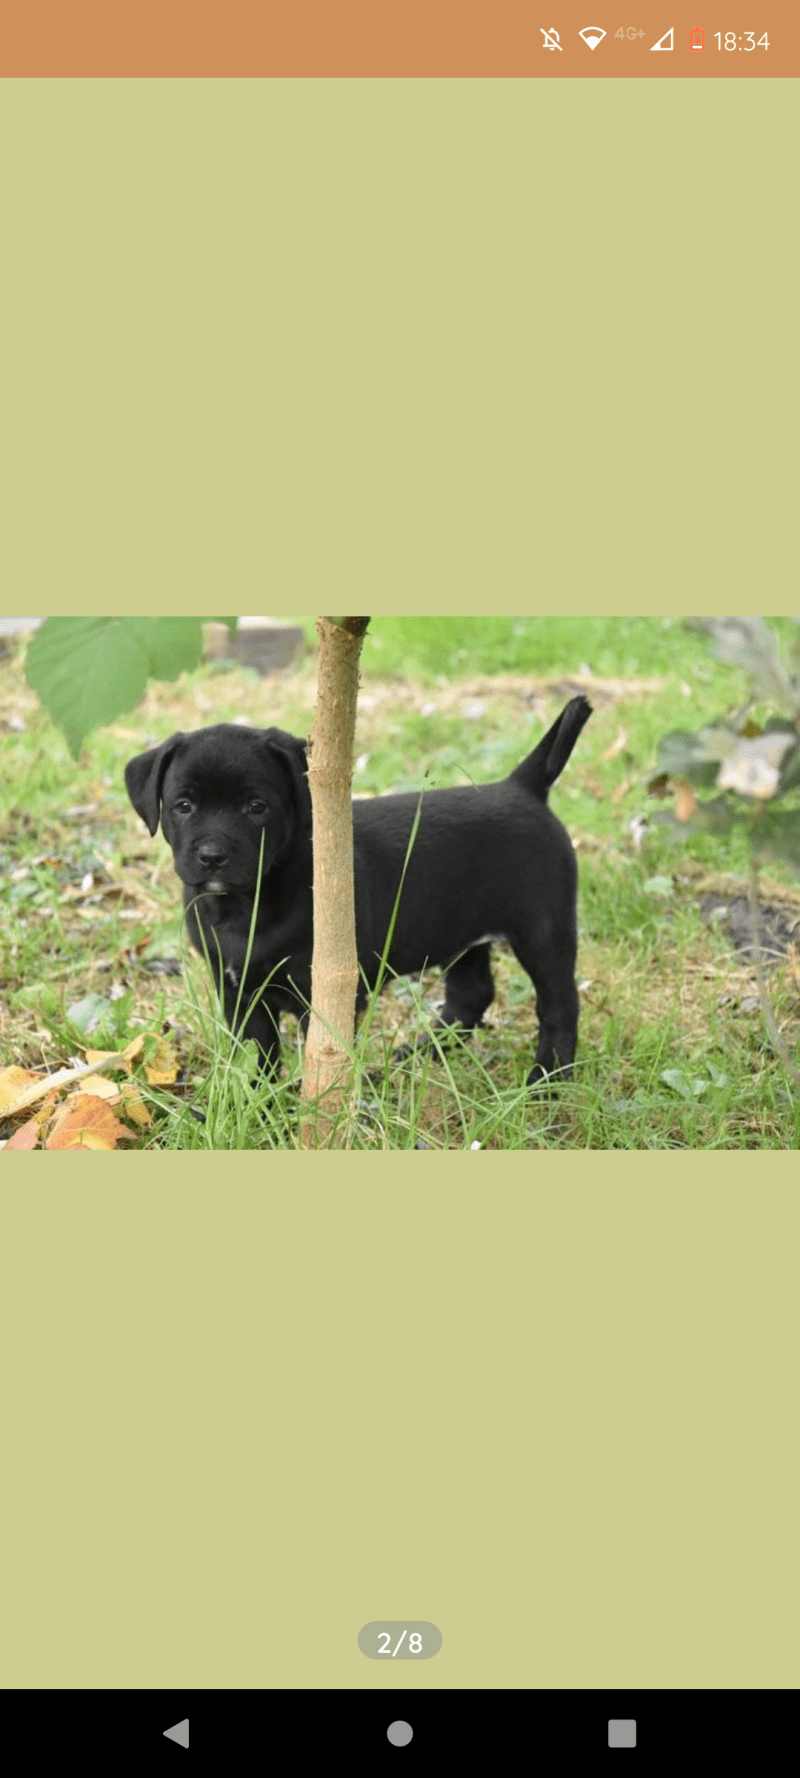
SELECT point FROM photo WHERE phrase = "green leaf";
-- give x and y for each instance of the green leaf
(86, 670)
(681, 1083)
(747, 642)
(93, 1014)
(697, 757)
(89, 670)
(174, 645)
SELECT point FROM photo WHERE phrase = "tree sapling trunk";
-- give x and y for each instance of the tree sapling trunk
(334, 970)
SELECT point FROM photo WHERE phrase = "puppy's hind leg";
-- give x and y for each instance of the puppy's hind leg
(551, 968)
(469, 990)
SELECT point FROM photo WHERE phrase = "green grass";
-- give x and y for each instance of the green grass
(427, 648)
(672, 1052)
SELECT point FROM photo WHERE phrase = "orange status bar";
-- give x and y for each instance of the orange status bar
(401, 39)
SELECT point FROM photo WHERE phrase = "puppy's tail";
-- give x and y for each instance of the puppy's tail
(539, 771)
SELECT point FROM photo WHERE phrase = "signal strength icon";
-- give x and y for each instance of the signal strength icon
(592, 35)
(667, 41)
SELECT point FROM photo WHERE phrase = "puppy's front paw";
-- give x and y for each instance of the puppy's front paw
(540, 1081)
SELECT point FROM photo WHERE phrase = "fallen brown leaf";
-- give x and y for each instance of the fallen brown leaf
(27, 1136)
(15, 1083)
(133, 1105)
(87, 1123)
(98, 1088)
(163, 1068)
(118, 1058)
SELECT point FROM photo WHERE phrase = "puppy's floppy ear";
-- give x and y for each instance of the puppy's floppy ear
(144, 777)
(291, 752)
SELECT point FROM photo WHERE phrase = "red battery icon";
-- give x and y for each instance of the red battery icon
(698, 38)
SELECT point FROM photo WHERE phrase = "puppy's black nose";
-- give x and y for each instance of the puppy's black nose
(211, 856)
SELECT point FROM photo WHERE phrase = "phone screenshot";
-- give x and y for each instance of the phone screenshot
(399, 1014)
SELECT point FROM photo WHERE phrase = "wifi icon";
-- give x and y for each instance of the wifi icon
(592, 35)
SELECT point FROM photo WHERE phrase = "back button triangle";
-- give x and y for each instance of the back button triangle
(179, 1732)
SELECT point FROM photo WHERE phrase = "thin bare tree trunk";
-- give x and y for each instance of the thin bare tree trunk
(334, 972)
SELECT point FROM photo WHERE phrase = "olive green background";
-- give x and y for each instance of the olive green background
(412, 341)
(421, 346)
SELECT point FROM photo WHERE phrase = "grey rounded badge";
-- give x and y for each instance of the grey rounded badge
(399, 1733)
(399, 1642)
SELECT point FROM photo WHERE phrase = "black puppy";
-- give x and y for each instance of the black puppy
(489, 861)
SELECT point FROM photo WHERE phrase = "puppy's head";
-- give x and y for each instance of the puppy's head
(215, 793)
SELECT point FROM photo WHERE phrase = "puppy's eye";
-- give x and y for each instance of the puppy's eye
(256, 807)
(183, 806)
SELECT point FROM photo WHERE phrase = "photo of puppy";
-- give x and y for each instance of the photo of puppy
(488, 862)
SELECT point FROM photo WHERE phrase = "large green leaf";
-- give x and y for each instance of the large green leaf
(174, 645)
(90, 670)
(87, 670)
(747, 642)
